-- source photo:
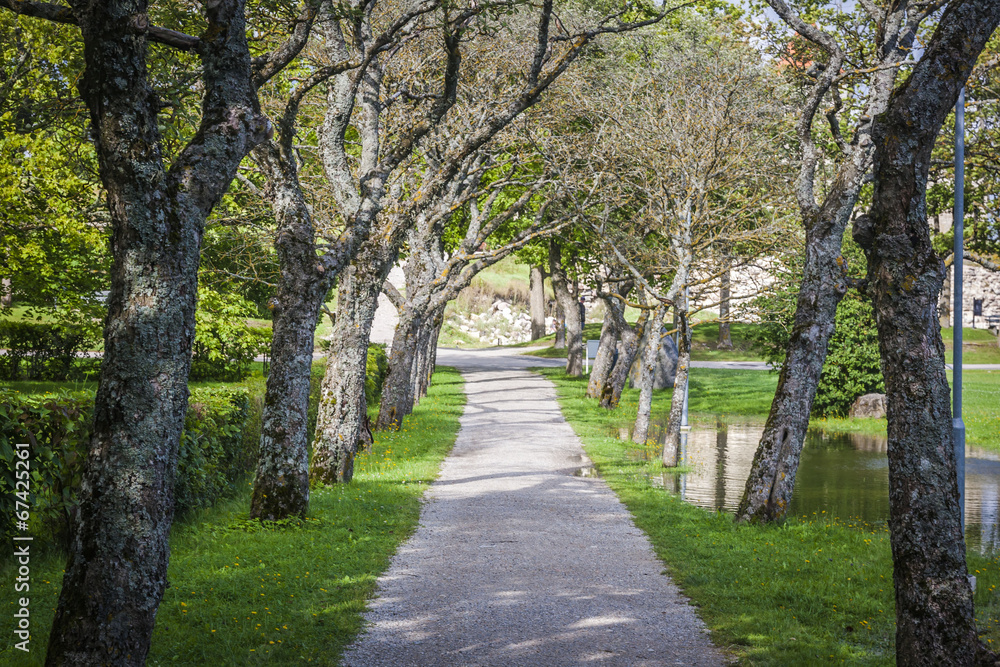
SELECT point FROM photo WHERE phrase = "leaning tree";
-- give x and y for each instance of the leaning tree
(934, 612)
(690, 131)
(846, 63)
(158, 205)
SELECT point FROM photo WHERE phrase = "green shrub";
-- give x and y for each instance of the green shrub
(376, 368)
(224, 344)
(57, 429)
(214, 454)
(853, 366)
(213, 458)
(44, 351)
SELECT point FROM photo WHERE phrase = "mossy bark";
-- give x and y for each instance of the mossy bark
(342, 404)
(117, 567)
(281, 485)
(571, 311)
(934, 613)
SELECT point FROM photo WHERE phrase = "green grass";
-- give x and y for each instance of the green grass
(21, 314)
(245, 595)
(704, 343)
(53, 386)
(978, 346)
(981, 408)
(504, 273)
(815, 591)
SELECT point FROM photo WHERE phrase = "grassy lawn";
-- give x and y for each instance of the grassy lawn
(506, 272)
(978, 346)
(704, 343)
(817, 590)
(242, 594)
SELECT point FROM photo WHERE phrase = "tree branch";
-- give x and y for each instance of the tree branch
(62, 14)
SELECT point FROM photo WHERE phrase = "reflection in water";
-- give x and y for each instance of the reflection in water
(845, 475)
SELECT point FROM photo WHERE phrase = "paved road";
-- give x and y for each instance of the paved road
(518, 561)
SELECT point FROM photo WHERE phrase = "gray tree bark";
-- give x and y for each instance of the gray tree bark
(397, 392)
(570, 312)
(537, 302)
(281, 486)
(672, 443)
(640, 432)
(6, 296)
(342, 403)
(626, 349)
(117, 567)
(934, 612)
(772, 476)
(610, 334)
(560, 324)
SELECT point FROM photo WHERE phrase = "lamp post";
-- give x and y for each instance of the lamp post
(957, 425)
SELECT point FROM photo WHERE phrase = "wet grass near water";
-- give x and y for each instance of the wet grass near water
(816, 590)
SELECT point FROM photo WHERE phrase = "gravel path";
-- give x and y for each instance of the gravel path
(520, 561)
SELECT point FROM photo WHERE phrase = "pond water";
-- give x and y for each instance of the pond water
(843, 475)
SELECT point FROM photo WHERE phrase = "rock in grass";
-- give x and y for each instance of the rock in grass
(869, 406)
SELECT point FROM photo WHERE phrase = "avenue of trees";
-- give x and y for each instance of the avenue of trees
(283, 157)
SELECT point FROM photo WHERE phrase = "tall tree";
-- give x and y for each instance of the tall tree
(533, 50)
(353, 73)
(118, 559)
(934, 615)
(856, 61)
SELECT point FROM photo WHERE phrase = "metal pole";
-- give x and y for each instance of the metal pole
(957, 425)
(687, 383)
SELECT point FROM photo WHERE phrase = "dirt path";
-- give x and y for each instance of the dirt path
(520, 561)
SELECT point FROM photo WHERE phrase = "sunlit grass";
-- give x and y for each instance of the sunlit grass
(241, 594)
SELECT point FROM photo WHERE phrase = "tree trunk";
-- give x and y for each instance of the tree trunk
(430, 354)
(537, 302)
(672, 443)
(6, 295)
(640, 432)
(570, 312)
(342, 402)
(117, 568)
(604, 361)
(560, 325)
(721, 456)
(281, 486)
(397, 397)
(934, 612)
(772, 476)
(626, 349)
(725, 337)
(944, 302)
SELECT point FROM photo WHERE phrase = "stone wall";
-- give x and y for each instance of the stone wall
(978, 283)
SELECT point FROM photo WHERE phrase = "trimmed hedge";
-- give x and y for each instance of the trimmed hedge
(44, 351)
(217, 450)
